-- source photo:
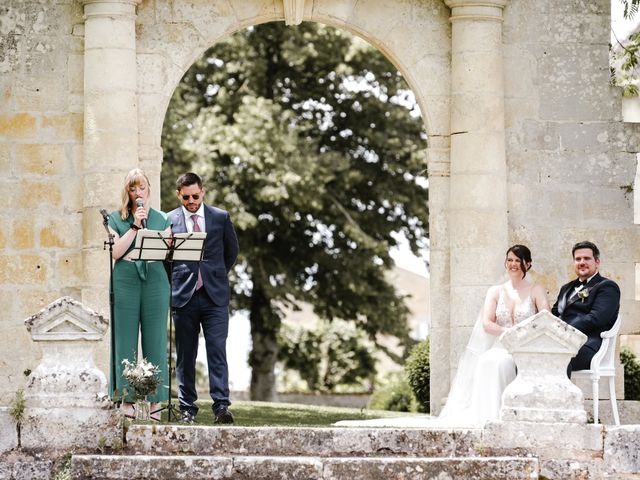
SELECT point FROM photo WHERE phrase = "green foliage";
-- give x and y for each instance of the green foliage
(396, 396)
(309, 138)
(102, 444)
(17, 406)
(631, 374)
(334, 357)
(630, 8)
(624, 55)
(418, 371)
(63, 471)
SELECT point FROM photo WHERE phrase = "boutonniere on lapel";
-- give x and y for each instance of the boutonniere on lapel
(583, 294)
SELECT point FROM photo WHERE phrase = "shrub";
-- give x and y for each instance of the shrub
(631, 374)
(396, 397)
(418, 373)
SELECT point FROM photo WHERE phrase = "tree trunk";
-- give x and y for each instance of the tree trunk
(265, 324)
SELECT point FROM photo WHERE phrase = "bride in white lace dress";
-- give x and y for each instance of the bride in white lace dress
(485, 368)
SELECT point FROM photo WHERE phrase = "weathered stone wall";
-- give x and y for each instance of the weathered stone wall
(68, 134)
(571, 160)
(41, 135)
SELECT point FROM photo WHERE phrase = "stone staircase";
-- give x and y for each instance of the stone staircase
(201, 452)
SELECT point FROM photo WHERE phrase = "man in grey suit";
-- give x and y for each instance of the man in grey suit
(200, 298)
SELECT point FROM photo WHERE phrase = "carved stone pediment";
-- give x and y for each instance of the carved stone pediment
(68, 320)
(542, 347)
(543, 332)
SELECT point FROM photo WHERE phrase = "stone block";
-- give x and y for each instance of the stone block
(621, 453)
(553, 440)
(101, 189)
(468, 301)
(151, 112)
(63, 128)
(109, 151)
(478, 190)
(46, 192)
(18, 126)
(110, 71)
(472, 228)
(24, 269)
(476, 152)
(459, 468)
(278, 467)
(69, 269)
(436, 111)
(381, 16)
(6, 159)
(199, 16)
(39, 159)
(148, 466)
(75, 73)
(116, 33)
(8, 431)
(427, 44)
(62, 233)
(593, 137)
(152, 73)
(22, 234)
(569, 469)
(29, 469)
(589, 7)
(177, 42)
(40, 92)
(334, 11)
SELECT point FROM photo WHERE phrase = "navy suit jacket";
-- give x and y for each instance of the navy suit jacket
(220, 253)
(596, 314)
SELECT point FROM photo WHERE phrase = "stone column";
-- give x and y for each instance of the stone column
(439, 331)
(478, 199)
(110, 129)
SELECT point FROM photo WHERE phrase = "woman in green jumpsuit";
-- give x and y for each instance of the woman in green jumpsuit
(141, 293)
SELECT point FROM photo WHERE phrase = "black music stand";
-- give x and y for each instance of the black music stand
(156, 245)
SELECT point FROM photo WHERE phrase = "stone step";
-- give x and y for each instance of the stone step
(293, 441)
(195, 467)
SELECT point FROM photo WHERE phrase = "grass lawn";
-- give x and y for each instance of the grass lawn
(255, 414)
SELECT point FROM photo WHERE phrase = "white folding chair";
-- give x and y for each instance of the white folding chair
(603, 365)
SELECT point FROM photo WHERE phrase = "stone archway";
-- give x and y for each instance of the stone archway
(452, 60)
(86, 83)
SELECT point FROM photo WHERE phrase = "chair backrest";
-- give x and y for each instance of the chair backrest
(605, 356)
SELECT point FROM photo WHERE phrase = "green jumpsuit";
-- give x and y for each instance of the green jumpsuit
(141, 303)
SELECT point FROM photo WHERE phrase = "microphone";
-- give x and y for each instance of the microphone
(105, 215)
(140, 204)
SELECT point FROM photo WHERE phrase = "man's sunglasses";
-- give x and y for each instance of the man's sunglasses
(195, 197)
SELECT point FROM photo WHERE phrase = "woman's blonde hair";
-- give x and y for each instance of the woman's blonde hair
(134, 177)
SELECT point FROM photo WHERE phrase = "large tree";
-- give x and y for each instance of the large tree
(307, 135)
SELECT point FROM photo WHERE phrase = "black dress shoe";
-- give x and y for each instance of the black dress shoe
(223, 415)
(187, 417)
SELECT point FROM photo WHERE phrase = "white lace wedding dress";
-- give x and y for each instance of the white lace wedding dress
(484, 370)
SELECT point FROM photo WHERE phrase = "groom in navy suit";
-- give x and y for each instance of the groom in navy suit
(200, 298)
(590, 303)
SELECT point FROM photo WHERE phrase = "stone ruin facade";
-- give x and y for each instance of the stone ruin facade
(526, 137)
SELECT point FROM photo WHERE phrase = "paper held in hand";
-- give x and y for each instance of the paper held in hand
(155, 245)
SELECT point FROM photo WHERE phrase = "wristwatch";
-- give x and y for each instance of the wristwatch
(135, 227)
